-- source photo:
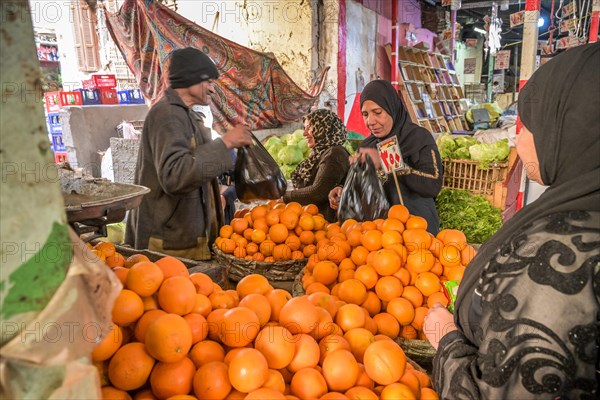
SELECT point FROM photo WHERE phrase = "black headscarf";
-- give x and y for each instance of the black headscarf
(327, 131)
(560, 105)
(411, 137)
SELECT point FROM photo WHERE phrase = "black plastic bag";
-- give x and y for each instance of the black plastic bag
(363, 198)
(257, 176)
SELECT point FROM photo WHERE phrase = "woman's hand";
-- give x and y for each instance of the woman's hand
(334, 197)
(438, 322)
(373, 153)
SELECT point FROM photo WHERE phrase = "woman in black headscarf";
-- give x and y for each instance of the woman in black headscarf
(385, 116)
(326, 165)
(526, 322)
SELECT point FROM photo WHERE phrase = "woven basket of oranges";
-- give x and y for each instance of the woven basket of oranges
(237, 268)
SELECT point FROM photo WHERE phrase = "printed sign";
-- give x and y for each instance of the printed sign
(567, 42)
(470, 66)
(391, 157)
(517, 19)
(471, 42)
(569, 9)
(502, 59)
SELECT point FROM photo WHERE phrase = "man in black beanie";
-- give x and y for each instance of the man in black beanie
(180, 163)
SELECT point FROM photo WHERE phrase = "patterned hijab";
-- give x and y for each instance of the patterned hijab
(328, 131)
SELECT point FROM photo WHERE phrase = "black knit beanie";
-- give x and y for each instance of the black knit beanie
(190, 66)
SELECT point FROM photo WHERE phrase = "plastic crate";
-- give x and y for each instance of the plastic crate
(108, 96)
(104, 81)
(88, 84)
(60, 157)
(57, 100)
(54, 125)
(57, 144)
(131, 97)
(90, 96)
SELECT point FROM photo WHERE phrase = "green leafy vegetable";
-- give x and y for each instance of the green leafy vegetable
(473, 215)
(446, 146)
(289, 155)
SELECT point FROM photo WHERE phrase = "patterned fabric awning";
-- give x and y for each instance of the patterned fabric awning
(253, 87)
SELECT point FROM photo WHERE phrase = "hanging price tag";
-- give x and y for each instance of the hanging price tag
(391, 157)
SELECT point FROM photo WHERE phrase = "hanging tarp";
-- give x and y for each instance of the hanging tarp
(253, 87)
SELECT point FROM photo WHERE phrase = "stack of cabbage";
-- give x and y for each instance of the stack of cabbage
(467, 148)
(290, 149)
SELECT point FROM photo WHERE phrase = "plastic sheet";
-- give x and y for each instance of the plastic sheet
(257, 175)
(363, 198)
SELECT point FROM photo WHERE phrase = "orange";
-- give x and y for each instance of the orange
(112, 393)
(275, 381)
(289, 219)
(299, 315)
(306, 353)
(306, 237)
(272, 217)
(311, 209)
(367, 275)
(260, 305)
(388, 288)
(259, 212)
(334, 396)
(420, 261)
(386, 262)
(415, 222)
(308, 384)
(253, 283)
(177, 295)
(371, 240)
(282, 252)
(397, 391)
(277, 299)
(130, 367)
(456, 273)
(387, 325)
(294, 206)
(392, 224)
(402, 309)
(353, 237)
(116, 260)
(340, 370)
(226, 231)
(325, 301)
(436, 246)
(266, 247)
(414, 295)
(277, 346)
(450, 256)
(106, 248)
(352, 291)
(261, 224)
(428, 394)
(248, 370)
(404, 275)
(390, 238)
(278, 233)
(240, 327)
(372, 304)
(467, 254)
(306, 223)
(247, 235)
(206, 351)
(399, 212)
(221, 300)
(265, 393)
(168, 338)
(408, 332)
(325, 272)
(258, 236)
(109, 345)
(227, 246)
(128, 308)
(454, 237)
(121, 273)
(438, 297)
(144, 278)
(416, 239)
(437, 269)
(198, 326)
(293, 242)
(239, 225)
(333, 251)
(420, 313)
(171, 379)
(144, 322)
(320, 222)
(428, 283)
(359, 339)
(202, 282)
(384, 362)
(211, 381)
(330, 343)
(350, 316)
(171, 266)
(359, 255)
(361, 393)
(134, 259)
(410, 379)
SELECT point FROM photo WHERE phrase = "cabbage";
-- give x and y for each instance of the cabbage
(284, 138)
(299, 133)
(287, 170)
(465, 141)
(461, 153)
(274, 149)
(502, 150)
(486, 153)
(303, 145)
(348, 146)
(446, 145)
(273, 140)
(289, 155)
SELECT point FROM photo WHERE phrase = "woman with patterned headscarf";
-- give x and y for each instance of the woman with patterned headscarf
(325, 167)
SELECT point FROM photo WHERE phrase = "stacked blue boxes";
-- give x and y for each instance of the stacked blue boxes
(55, 129)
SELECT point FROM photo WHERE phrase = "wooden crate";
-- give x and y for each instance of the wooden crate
(468, 175)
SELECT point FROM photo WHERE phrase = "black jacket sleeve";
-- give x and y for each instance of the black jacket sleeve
(426, 174)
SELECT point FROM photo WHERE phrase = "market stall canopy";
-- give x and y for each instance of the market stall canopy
(253, 88)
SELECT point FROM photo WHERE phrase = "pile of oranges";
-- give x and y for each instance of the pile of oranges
(273, 232)
(181, 336)
(391, 268)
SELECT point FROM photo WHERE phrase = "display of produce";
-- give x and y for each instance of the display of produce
(272, 232)
(181, 336)
(468, 148)
(473, 215)
(391, 270)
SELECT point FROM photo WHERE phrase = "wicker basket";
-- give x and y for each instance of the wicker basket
(468, 175)
(237, 268)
